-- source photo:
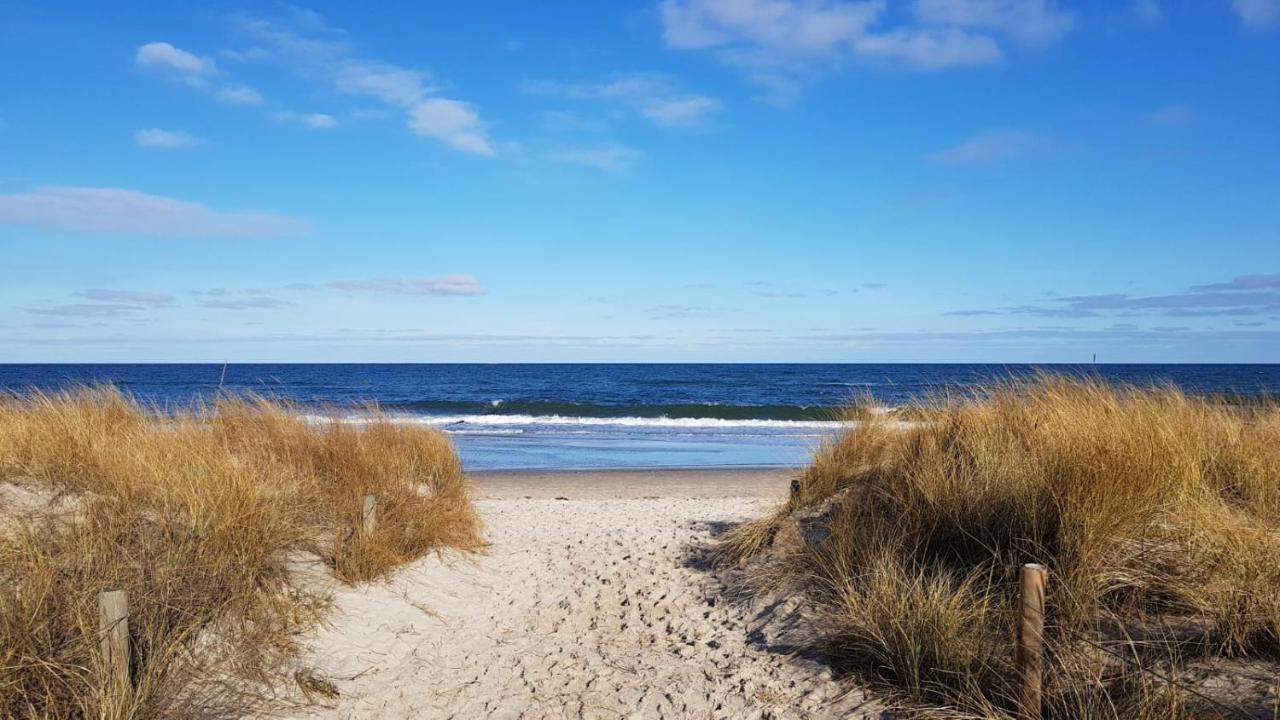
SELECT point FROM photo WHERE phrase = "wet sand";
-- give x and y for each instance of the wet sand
(769, 483)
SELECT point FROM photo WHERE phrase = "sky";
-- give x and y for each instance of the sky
(651, 181)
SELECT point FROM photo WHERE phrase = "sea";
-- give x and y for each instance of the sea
(568, 416)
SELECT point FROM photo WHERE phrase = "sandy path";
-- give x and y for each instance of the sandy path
(587, 606)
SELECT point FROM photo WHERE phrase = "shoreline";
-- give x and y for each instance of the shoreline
(614, 483)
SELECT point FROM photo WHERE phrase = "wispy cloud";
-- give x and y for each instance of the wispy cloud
(117, 211)
(656, 98)
(1040, 311)
(988, 147)
(1243, 296)
(391, 84)
(609, 157)
(568, 121)
(1122, 337)
(775, 41)
(246, 303)
(767, 289)
(88, 310)
(239, 95)
(316, 51)
(1196, 300)
(1148, 11)
(681, 111)
(675, 312)
(464, 285)
(1171, 116)
(1033, 22)
(134, 297)
(315, 121)
(1258, 14)
(1243, 282)
(253, 54)
(156, 138)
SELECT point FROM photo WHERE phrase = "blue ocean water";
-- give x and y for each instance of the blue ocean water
(591, 416)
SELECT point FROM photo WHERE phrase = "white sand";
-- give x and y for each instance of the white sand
(598, 605)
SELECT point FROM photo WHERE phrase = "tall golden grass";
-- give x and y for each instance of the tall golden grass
(204, 518)
(1156, 513)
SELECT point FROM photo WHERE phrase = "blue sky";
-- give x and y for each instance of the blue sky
(681, 180)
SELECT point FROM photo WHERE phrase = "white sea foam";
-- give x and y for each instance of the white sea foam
(448, 421)
(455, 423)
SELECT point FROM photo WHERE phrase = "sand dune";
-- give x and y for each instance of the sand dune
(596, 605)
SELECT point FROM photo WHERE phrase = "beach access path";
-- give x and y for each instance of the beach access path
(595, 600)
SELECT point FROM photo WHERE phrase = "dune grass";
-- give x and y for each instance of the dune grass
(1156, 513)
(204, 518)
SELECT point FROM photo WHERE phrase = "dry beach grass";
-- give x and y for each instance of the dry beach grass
(1156, 513)
(205, 519)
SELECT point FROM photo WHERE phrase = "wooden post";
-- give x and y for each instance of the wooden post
(113, 625)
(369, 514)
(1030, 655)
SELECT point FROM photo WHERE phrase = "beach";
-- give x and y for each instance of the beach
(296, 562)
(595, 599)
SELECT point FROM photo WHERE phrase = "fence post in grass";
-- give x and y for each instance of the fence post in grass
(1030, 655)
(369, 514)
(113, 626)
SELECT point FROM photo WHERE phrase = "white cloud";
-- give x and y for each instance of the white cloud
(774, 41)
(187, 66)
(115, 211)
(389, 83)
(1171, 115)
(466, 285)
(165, 139)
(781, 26)
(680, 111)
(1035, 22)
(610, 157)
(318, 51)
(239, 95)
(931, 48)
(988, 147)
(655, 97)
(1258, 14)
(315, 121)
(453, 122)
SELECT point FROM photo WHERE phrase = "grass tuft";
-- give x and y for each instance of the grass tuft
(1157, 514)
(209, 519)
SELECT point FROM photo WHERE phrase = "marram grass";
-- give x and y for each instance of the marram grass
(203, 517)
(1157, 514)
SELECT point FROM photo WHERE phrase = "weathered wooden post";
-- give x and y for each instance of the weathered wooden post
(369, 514)
(1030, 655)
(113, 626)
